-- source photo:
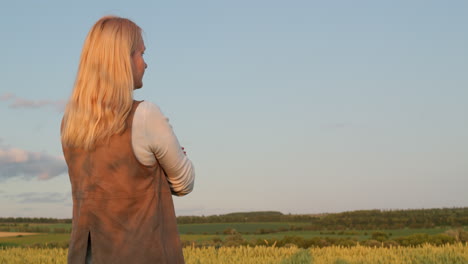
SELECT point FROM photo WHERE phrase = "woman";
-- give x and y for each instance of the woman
(123, 158)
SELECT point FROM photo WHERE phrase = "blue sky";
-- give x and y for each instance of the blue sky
(295, 106)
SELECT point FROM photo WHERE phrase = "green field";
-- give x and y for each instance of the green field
(32, 240)
(245, 228)
(36, 227)
(217, 231)
(212, 228)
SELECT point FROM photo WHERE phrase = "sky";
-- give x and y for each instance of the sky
(301, 107)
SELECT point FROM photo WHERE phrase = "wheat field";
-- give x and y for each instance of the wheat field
(427, 254)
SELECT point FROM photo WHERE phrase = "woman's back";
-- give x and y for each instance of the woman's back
(123, 206)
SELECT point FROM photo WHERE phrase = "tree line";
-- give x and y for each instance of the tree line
(41, 220)
(358, 220)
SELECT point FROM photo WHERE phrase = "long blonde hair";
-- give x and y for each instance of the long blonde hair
(102, 96)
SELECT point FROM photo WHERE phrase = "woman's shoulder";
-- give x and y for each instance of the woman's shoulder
(148, 109)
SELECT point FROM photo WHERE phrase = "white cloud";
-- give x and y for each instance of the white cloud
(16, 162)
(6, 96)
(16, 102)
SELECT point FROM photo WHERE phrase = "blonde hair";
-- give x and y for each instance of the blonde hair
(102, 96)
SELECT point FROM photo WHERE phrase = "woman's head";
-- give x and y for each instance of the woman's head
(109, 49)
(111, 67)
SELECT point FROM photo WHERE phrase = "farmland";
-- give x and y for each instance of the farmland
(209, 234)
(429, 236)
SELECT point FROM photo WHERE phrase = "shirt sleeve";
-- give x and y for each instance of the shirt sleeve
(166, 148)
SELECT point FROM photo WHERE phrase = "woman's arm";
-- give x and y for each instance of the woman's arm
(162, 143)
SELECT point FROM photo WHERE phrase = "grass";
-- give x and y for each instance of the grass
(51, 225)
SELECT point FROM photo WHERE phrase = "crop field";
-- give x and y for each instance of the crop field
(360, 234)
(220, 228)
(208, 228)
(28, 240)
(31, 240)
(449, 254)
(408, 236)
(207, 232)
(36, 227)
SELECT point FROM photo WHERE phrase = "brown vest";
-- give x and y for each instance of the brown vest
(124, 206)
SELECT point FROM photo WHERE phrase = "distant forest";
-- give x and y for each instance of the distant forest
(356, 220)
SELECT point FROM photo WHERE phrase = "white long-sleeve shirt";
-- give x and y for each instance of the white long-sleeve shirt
(153, 138)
